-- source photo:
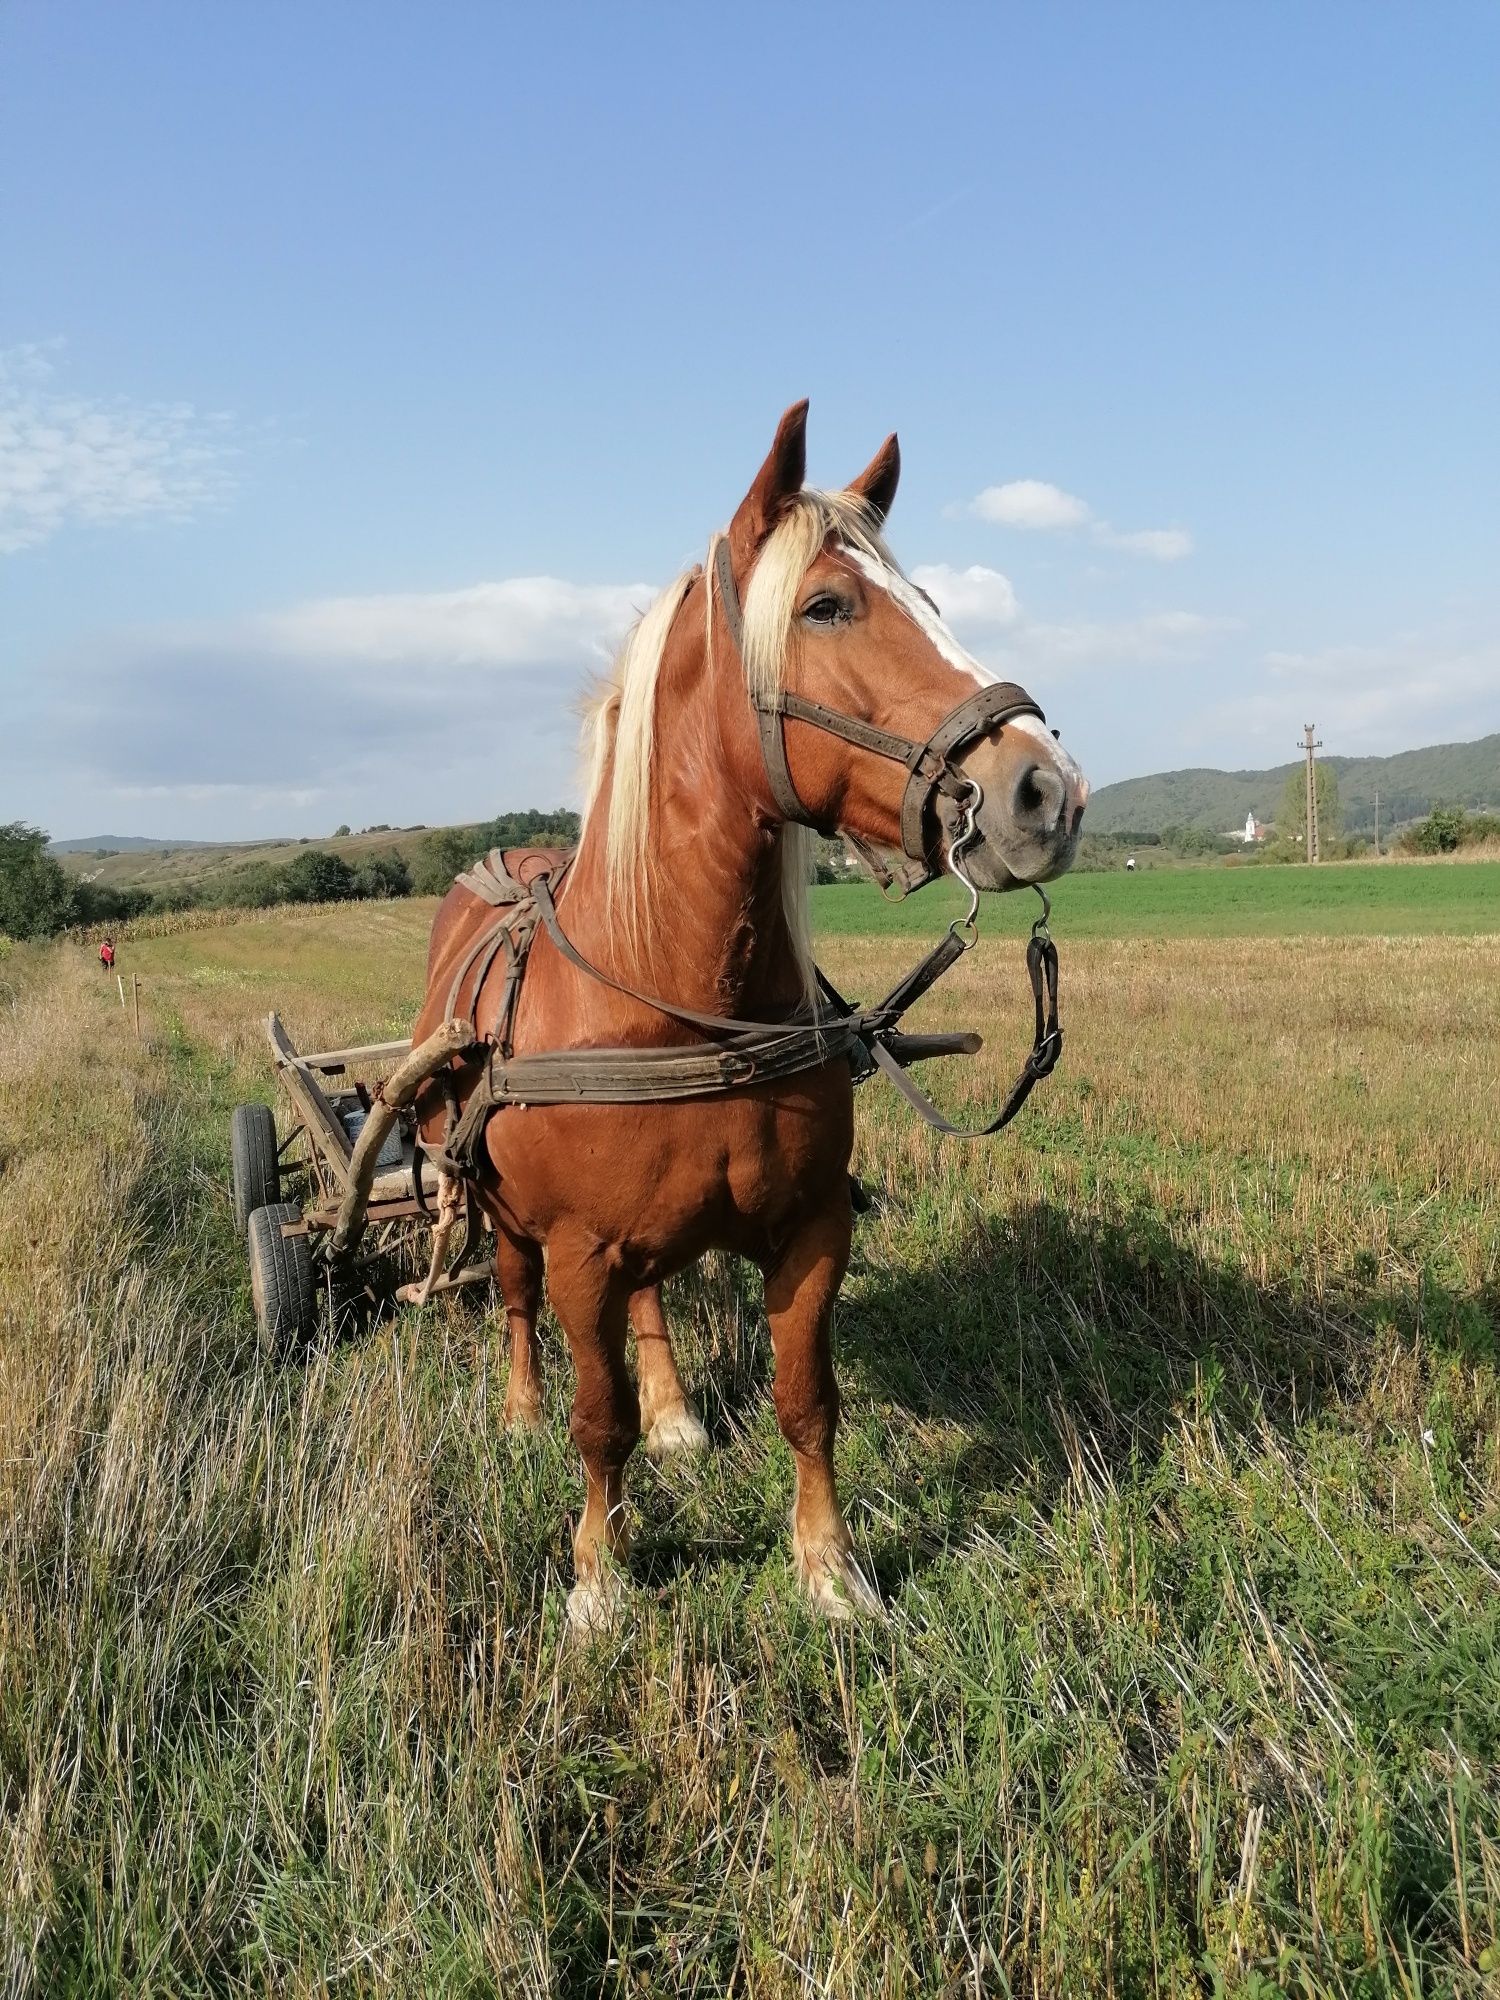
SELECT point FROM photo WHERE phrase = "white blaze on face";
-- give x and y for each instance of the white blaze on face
(927, 621)
(920, 612)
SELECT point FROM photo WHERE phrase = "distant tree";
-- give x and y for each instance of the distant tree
(317, 877)
(382, 875)
(441, 856)
(339, 832)
(1192, 841)
(36, 894)
(1291, 816)
(529, 828)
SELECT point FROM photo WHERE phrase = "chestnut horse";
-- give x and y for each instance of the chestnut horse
(690, 883)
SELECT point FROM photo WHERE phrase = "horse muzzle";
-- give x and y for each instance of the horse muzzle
(1028, 825)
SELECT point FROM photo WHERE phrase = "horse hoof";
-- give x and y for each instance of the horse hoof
(523, 1415)
(837, 1588)
(676, 1431)
(595, 1604)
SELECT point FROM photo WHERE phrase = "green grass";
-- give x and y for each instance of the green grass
(1171, 1435)
(1406, 899)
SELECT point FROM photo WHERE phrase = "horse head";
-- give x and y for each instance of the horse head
(872, 719)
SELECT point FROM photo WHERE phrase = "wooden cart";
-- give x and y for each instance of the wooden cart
(288, 1188)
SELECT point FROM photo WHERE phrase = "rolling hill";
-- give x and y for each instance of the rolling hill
(1410, 784)
(188, 864)
(125, 843)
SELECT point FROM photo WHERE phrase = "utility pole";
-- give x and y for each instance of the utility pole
(1377, 822)
(1310, 844)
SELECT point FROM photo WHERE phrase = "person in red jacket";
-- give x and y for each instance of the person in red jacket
(107, 955)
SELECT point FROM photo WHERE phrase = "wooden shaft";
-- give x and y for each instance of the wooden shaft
(393, 1096)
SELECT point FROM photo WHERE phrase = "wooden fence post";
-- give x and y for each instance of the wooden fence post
(135, 987)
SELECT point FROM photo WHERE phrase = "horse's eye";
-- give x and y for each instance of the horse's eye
(824, 611)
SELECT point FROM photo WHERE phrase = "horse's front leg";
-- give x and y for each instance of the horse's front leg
(802, 1285)
(592, 1299)
(667, 1416)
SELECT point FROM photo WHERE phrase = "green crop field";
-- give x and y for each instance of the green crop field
(1171, 1436)
(1402, 899)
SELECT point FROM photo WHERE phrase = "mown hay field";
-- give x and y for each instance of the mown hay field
(1171, 1436)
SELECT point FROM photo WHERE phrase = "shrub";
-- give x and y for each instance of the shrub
(1445, 829)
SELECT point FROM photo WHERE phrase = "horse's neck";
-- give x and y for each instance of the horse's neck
(714, 933)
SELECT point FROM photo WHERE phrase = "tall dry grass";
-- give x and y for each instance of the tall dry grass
(1171, 1436)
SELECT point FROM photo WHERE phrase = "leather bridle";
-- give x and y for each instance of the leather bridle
(931, 771)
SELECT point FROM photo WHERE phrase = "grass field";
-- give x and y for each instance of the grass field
(1172, 1436)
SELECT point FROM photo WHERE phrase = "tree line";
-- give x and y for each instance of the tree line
(39, 897)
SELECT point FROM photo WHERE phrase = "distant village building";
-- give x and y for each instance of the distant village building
(1253, 832)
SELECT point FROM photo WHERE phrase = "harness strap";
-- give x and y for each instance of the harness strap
(749, 1051)
(1046, 1047)
(723, 1026)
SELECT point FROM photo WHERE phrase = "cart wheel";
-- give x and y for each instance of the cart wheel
(253, 1164)
(281, 1279)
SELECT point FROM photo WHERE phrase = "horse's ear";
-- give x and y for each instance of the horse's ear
(877, 484)
(774, 486)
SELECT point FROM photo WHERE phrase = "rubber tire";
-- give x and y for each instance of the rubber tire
(281, 1281)
(255, 1173)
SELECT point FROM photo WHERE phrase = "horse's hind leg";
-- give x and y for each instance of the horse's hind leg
(592, 1301)
(518, 1267)
(801, 1288)
(667, 1417)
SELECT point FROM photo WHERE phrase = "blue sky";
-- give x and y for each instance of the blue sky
(362, 366)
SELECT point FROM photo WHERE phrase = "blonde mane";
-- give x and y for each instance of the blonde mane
(620, 725)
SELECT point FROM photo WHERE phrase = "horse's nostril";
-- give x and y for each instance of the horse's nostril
(1038, 794)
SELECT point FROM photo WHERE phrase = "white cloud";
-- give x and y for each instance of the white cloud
(1030, 503)
(514, 623)
(1416, 687)
(1158, 636)
(975, 598)
(66, 458)
(982, 607)
(1163, 544)
(1400, 675)
(1036, 504)
(442, 703)
(256, 798)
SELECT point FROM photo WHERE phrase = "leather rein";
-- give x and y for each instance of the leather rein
(744, 1051)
